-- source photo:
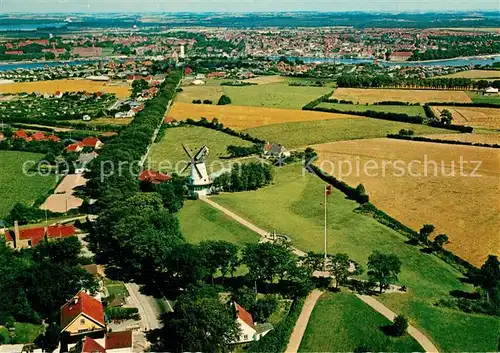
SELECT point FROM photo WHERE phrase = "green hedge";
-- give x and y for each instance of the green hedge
(118, 313)
(449, 142)
(277, 340)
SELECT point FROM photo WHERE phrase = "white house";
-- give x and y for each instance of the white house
(491, 91)
(275, 150)
(249, 330)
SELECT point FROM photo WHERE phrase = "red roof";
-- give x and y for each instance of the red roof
(20, 134)
(91, 346)
(53, 138)
(74, 147)
(154, 177)
(90, 142)
(86, 305)
(117, 340)
(244, 315)
(34, 234)
(60, 231)
(38, 136)
(168, 120)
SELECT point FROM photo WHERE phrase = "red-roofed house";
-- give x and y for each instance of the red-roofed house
(29, 237)
(93, 142)
(154, 177)
(53, 138)
(38, 136)
(249, 330)
(82, 315)
(75, 147)
(21, 134)
(89, 345)
(113, 342)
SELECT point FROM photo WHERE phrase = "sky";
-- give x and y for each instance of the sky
(7, 6)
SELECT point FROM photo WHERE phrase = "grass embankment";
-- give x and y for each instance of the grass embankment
(299, 134)
(293, 207)
(340, 322)
(16, 186)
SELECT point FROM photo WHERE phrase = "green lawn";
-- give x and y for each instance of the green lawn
(270, 95)
(341, 322)
(168, 155)
(15, 186)
(200, 221)
(299, 134)
(412, 110)
(23, 333)
(479, 98)
(116, 288)
(293, 206)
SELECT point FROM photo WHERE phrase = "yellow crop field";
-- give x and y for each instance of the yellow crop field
(51, 87)
(420, 182)
(373, 95)
(474, 138)
(240, 117)
(479, 74)
(473, 116)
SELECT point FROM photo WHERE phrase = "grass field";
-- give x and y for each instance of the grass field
(271, 94)
(473, 116)
(201, 222)
(431, 189)
(474, 137)
(479, 98)
(293, 206)
(412, 110)
(241, 117)
(116, 288)
(373, 95)
(51, 87)
(340, 322)
(18, 187)
(23, 333)
(168, 155)
(479, 74)
(305, 133)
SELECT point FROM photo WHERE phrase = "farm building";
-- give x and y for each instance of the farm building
(26, 238)
(490, 91)
(275, 150)
(153, 177)
(249, 330)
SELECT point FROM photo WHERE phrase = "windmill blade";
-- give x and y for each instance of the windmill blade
(201, 151)
(186, 167)
(197, 170)
(188, 152)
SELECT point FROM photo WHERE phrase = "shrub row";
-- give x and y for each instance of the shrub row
(396, 103)
(358, 194)
(117, 313)
(376, 115)
(449, 142)
(277, 339)
(459, 104)
(460, 128)
(215, 125)
(238, 84)
(240, 151)
(314, 103)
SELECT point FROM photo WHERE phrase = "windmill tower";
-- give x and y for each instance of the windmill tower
(199, 181)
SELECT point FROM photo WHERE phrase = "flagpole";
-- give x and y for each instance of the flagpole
(325, 226)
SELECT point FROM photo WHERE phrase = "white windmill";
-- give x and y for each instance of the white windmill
(199, 181)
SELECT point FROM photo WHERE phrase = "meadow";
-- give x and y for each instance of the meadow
(429, 189)
(292, 205)
(168, 154)
(18, 187)
(373, 95)
(200, 222)
(479, 74)
(241, 117)
(479, 98)
(299, 134)
(473, 116)
(340, 322)
(412, 110)
(51, 87)
(275, 93)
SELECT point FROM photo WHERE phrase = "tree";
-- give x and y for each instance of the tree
(446, 117)
(200, 322)
(339, 268)
(219, 255)
(399, 326)
(313, 261)
(425, 232)
(263, 308)
(245, 296)
(224, 100)
(383, 269)
(440, 240)
(490, 279)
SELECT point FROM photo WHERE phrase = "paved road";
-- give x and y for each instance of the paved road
(426, 344)
(311, 300)
(147, 309)
(302, 321)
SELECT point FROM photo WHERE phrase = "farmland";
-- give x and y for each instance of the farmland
(201, 222)
(271, 95)
(293, 206)
(51, 87)
(479, 98)
(473, 116)
(412, 110)
(473, 138)
(428, 189)
(341, 323)
(479, 74)
(369, 95)
(17, 187)
(299, 134)
(168, 155)
(241, 117)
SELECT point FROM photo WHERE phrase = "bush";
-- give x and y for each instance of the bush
(399, 326)
(207, 101)
(117, 313)
(224, 100)
(263, 308)
(196, 101)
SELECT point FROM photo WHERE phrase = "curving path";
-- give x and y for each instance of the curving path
(300, 326)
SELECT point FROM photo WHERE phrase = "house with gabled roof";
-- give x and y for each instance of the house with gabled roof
(82, 315)
(112, 342)
(30, 237)
(249, 330)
